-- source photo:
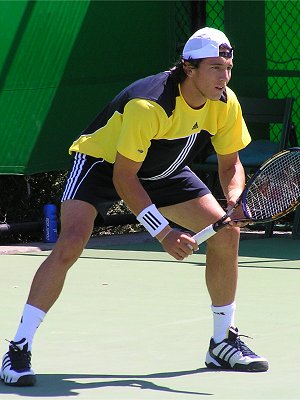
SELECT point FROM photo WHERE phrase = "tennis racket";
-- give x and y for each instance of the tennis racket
(272, 192)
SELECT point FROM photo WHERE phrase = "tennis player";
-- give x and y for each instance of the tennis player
(138, 149)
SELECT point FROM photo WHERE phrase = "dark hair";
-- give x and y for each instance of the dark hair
(177, 71)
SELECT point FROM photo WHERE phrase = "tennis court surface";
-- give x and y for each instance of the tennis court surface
(132, 323)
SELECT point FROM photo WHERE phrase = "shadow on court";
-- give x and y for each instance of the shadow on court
(64, 385)
(277, 253)
(280, 246)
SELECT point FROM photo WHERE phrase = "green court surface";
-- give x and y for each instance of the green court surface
(132, 323)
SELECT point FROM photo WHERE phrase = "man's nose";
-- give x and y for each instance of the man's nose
(225, 76)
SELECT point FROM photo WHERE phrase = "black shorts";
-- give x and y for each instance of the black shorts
(90, 180)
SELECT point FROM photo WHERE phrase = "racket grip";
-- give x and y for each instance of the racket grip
(205, 234)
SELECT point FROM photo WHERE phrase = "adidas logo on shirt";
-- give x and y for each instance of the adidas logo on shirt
(195, 126)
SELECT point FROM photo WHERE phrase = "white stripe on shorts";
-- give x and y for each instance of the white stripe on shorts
(69, 192)
(72, 183)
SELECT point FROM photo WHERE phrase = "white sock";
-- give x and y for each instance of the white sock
(223, 320)
(30, 321)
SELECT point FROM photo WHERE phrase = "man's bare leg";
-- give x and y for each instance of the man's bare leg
(77, 221)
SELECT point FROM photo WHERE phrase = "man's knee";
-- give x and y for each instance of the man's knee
(225, 240)
(70, 246)
(77, 221)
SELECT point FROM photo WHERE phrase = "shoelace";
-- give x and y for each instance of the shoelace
(20, 359)
(13, 345)
(242, 347)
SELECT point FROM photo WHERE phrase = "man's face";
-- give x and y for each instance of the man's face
(211, 77)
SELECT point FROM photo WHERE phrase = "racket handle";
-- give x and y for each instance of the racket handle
(205, 234)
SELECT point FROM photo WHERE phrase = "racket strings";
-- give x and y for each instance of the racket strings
(276, 188)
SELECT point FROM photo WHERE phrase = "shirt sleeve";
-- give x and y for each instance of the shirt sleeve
(141, 123)
(232, 134)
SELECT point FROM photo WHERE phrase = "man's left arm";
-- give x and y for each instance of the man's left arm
(232, 177)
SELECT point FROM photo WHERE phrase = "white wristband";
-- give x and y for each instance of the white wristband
(152, 220)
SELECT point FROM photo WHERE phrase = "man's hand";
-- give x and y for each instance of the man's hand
(237, 214)
(179, 245)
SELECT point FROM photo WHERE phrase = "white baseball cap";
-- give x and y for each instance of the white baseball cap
(206, 43)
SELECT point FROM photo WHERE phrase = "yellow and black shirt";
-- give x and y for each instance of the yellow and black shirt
(150, 122)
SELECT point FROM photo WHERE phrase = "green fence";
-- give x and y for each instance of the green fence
(283, 53)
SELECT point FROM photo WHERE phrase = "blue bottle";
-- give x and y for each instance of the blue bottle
(50, 223)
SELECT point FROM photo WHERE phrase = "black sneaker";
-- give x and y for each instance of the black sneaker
(233, 354)
(16, 365)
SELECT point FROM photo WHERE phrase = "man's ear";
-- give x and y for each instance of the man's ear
(187, 67)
